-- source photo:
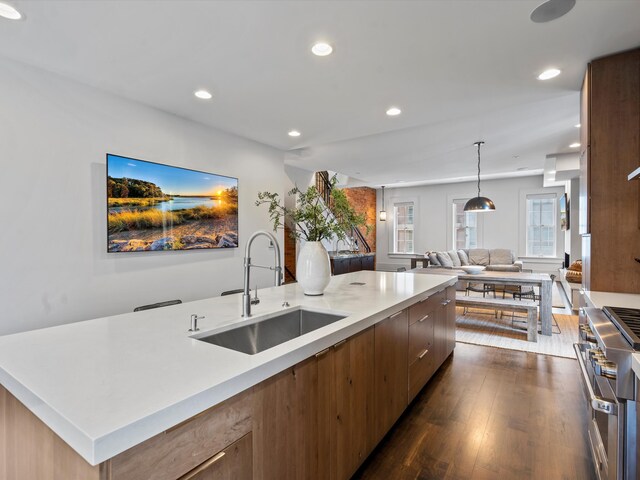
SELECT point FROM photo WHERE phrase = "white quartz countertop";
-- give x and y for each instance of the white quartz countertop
(107, 384)
(601, 299)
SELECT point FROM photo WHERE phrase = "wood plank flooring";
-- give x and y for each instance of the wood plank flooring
(490, 413)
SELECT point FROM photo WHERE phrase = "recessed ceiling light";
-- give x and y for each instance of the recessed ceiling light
(322, 49)
(552, 172)
(547, 74)
(520, 169)
(294, 133)
(7, 11)
(574, 145)
(393, 111)
(203, 94)
(577, 125)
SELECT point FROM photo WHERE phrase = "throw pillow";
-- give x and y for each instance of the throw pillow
(454, 258)
(444, 259)
(479, 256)
(433, 259)
(500, 256)
(464, 260)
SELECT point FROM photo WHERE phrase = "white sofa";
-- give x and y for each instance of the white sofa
(496, 259)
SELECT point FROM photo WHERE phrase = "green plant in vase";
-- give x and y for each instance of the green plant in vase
(312, 220)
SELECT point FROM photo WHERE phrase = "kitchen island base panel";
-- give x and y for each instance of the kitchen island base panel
(31, 450)
(325, 414)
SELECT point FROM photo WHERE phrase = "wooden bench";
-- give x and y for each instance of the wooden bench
(530, 308)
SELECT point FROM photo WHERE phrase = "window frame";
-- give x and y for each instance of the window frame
(453, 242)
(529, 198)
(392, 202)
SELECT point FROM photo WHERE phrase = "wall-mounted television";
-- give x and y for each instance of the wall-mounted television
(564, 212)
(156, 207)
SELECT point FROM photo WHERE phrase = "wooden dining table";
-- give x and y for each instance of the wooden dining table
(540, 280)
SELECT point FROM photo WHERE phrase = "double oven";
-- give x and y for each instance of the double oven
(604, 352)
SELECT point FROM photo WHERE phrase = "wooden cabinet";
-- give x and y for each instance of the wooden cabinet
(368, 262)
(432, 337)
(188, 445)
(314, 420)
(420, 358)
(450, 314)
(354, 399)
(233, 463)
(291, 422)
(583, 214)
(610, 150)
(340, 265)
(391, 375)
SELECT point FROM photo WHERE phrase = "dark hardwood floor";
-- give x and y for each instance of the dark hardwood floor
(490, 413)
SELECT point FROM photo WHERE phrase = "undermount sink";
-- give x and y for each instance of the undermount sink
(265, 334)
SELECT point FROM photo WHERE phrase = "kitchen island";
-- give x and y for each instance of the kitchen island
(116, 389)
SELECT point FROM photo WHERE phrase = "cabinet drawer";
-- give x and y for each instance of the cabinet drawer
(420, 372)
(182, 448)
(233, 463)
(420, 337)
(425, 307)
(451, 293)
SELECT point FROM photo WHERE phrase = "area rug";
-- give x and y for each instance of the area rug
(479, 328)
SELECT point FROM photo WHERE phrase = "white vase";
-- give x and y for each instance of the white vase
(313, 269)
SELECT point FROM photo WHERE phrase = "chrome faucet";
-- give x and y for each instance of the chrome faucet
(246, 296)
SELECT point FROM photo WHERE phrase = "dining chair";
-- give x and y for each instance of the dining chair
(157, 305)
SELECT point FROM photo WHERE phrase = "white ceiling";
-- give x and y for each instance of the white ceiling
(460, 71)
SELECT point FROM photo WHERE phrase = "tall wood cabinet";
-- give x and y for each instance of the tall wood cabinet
(314, 420)
(610, 150)
(391, 376)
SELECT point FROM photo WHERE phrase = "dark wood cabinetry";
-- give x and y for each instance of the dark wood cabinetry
(391, 376)
(432, 337)
(354, 387)
(340, 265)
(314, 420)
(233, 463)
(610, 150)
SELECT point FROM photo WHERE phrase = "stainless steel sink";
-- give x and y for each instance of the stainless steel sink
(273, 331)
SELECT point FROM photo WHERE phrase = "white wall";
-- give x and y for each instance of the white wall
(54, 267)
(501, 229)
(574, 239)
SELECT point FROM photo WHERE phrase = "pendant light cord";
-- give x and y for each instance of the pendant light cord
(478, 144)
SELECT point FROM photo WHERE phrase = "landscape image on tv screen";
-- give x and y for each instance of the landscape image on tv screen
(153, 207)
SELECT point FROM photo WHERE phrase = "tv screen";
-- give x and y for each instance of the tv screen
(155, 207)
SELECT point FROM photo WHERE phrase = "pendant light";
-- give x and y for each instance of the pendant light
(479, 204)
(383, 212)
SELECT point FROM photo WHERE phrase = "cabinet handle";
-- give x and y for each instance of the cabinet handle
(446, 302)
(424, 318)
(396, 314)
(203, 466)
(340, 343)
(421, 356)
(323, 352)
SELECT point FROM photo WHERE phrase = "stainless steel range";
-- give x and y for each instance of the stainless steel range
(608, 338)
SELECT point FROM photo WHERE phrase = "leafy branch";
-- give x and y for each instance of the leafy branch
(313, 220)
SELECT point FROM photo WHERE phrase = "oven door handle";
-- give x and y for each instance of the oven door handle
(597, 403)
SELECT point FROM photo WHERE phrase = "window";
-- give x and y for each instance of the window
(403, 234)
(541, 225)
(465, 226)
